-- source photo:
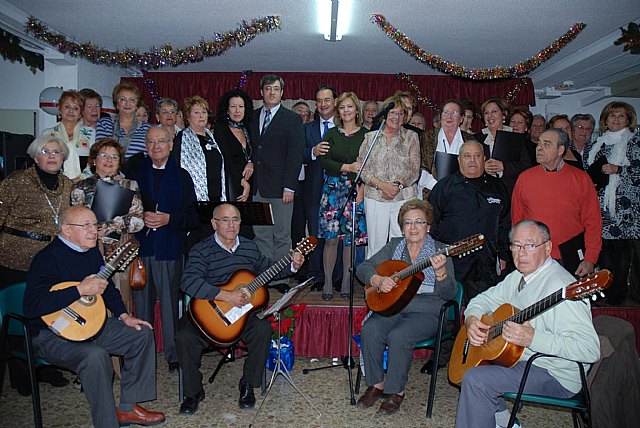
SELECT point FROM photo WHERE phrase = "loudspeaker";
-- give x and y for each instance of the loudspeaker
(13, 152)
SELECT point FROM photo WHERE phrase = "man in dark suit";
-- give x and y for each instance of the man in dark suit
(314, 149)
(277, 156)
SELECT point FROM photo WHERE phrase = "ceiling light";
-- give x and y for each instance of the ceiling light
(334, 17)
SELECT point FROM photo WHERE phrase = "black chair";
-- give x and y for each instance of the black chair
(580, 404)
(449, 312)
(11, 299)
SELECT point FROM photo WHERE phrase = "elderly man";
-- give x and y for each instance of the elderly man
(168, 197)
(167, 115)
(582, 126)
(211, 264)
(562, 197)
(565, 330)
(73, 256)
(277, 156)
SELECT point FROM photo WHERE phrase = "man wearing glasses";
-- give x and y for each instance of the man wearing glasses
(211, 264)
(74, 256)
(167, 197)
(565, 330)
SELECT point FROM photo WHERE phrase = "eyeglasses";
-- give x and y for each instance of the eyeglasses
(54, 152)
(584, 128)
(417, 222)
(125, 100)
(448, 113)
(396, 114)
(272, 89)
(85, 226)
(167, 112)
(227, 220)
(105, 156)
(516, 247)
(154, 142)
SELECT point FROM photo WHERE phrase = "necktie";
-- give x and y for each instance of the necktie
(267, 120)
(521, 284)
(326, 128)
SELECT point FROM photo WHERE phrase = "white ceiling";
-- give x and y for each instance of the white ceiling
(471, 33)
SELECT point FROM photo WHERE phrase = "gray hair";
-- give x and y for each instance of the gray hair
(36, 146)
(164, 101)
(542, 228)
(166, 131)
(563, 137)
(577, 117)
(468, 143)
(217, 209)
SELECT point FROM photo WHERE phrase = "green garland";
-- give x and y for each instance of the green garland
(630, 39)
(12, 51)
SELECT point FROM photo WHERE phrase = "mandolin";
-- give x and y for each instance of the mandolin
(409, 277)
(221, 323)
(84, 318)
(496, 350)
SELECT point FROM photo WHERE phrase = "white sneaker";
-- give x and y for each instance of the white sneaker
(516, 424)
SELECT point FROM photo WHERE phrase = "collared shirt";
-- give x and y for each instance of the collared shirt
(532, 275)
(72, 245)
(263, 113)
(557, 168)
(233, 249)
(452, 147)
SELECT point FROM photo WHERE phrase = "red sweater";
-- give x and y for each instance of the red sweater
(566, 201)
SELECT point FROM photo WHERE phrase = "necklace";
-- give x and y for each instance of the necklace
(56, 212)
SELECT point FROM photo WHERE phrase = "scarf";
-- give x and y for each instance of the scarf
(240, 125)
(126, 140)
(71, 166)
(618, 156)
(427, 250)
(192, 159)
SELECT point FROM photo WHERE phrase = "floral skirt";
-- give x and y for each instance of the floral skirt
(334, 195)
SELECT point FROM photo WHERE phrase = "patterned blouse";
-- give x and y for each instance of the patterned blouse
(118, 229)
(399, 160)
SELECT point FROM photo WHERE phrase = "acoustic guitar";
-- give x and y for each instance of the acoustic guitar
(221, 323)
(84, 318)
(496, 350)
(409, 277)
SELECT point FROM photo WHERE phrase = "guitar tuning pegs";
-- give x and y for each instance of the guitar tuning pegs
(602, 294)
(594, 297)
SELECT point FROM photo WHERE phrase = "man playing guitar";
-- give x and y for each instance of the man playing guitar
(566, 330)
(73, 256)
(210, 265)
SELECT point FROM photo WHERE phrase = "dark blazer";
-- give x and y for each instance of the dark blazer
(234, 158)
(277, 154)
(512, 169)
(313, 179)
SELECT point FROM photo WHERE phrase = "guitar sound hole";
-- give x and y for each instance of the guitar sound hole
(88, 300)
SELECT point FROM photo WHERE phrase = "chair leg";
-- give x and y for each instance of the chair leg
(228, 356)
(4, 350)
(35, 390)
(358, 380)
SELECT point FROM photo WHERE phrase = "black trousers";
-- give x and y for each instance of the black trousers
(616, 256)
(190, 346)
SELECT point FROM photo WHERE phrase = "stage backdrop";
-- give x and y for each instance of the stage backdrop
(211, 86)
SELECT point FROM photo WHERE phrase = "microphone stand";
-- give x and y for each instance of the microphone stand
(347, 361)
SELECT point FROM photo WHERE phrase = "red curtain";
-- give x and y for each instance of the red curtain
(303, 85)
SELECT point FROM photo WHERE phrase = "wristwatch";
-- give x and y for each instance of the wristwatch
(400, 185)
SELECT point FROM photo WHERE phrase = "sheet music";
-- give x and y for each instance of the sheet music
(235, 313)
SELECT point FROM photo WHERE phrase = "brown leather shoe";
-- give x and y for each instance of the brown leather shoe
(390, 404)
(140, 416)
(369, 397)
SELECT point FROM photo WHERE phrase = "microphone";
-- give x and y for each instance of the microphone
(384, 112)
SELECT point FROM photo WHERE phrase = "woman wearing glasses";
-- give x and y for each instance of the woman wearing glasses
(446, 139)
(105, 160)
(417, 321)
(31, 202)
(390, 175)
(167, 115)
(126, 129)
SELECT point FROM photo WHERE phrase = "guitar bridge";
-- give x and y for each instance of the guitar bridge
(220, 313)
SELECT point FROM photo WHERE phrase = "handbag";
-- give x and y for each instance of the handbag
(137, 274)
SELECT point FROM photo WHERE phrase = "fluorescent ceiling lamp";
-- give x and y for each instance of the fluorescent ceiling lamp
(334, 17)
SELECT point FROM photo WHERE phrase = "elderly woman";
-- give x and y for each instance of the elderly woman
(167, 115)
(127, 130)
(495, 112)
(369, 111)
(232, 133)
(417, 321)
(71, 132)
(620, 199)
(446, 139)
(105, 160)
(31, 202)
(341, 166)
(390, 175)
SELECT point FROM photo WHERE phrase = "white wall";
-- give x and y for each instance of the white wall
(20, 89)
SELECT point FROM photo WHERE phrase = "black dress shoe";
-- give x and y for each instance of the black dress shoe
(428, 367)
(247, 399)
(190, 405)
(173, 367)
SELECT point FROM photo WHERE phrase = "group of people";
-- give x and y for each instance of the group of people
(408, 205)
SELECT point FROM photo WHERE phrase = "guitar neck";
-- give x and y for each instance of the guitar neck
(268, 275)
(528, 313)
(106, 272)
(419, 266)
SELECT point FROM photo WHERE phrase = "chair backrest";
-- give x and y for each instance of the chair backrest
(458, 299)
(11, 299)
